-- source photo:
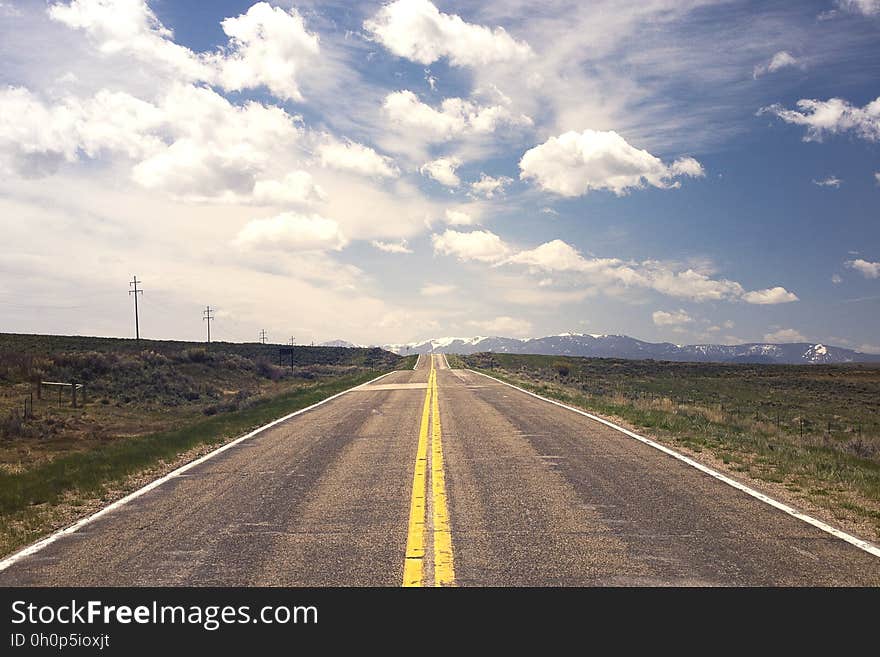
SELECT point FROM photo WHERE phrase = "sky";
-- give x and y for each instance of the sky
(688, 171)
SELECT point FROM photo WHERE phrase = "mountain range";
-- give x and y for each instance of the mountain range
(622, 346)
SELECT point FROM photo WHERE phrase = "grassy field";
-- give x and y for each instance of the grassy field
(146, 405)
(812, 429)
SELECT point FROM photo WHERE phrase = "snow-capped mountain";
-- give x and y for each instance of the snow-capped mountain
(622, 346)
(342, 343)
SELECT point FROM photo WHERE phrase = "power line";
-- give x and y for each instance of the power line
(263, 336)
(208, 315)
(136, 292)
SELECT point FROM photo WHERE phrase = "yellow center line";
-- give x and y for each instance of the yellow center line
(444, 572)
(413, 564)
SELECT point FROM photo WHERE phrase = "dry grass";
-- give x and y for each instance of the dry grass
(813, 429)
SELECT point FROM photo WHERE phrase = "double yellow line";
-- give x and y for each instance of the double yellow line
(414, 562)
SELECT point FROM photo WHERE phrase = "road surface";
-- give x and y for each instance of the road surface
(441, 476)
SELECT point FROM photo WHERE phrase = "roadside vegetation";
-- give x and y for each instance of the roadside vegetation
(144, 407)
(812, 429)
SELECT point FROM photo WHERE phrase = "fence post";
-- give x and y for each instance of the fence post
(73, 393)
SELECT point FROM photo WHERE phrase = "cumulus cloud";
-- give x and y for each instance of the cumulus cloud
(488, 186)
(267, 46)
(35, 137)
(392, 247)
(784, 335)
(351, 156)
(436, 289)
(297, 187)
(830, 181)
(864, 267)
(674, 318)
(558, 256)
(442, 170)
(782, 59)
(456, 116)
(480, 245)
(418, 31)
(877, 177)
(215, 149)
(192, 143)
(830, 117)
(289, 231)
(130, 27)
(504, 326)
(458, 217)
(836, 279)
(576, 163)
(770, 296)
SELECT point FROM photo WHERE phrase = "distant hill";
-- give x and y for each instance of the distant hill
(622, 346)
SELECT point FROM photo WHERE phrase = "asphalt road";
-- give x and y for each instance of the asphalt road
(513, 491)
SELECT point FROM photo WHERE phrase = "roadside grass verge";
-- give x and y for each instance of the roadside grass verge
(28, 498)
(840, 476)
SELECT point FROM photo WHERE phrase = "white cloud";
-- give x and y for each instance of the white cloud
(459, 218)
(418, 31)
(864, 267)
(574, 163)
(782, 59)
(836, 279)
(443, 170)
(351, 156)
(456, 116)
(436, 289)
(488, 186)
(663, 318)
(770, 296)
(864, 7)
(216, 149)
(558, 256)
(192, 144)
(267, 47)
(297, 187)
(504, 326)
(832, 116)
(480, 245)
(869, 349)
(130, 27)
(784, 335)
(36, 137)
(830, 181)
(289, 231)
(877, 177)
(392, 247)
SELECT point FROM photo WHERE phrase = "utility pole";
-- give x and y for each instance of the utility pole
(136, 292)
(208, 315)
(263, 336)
(291, 341)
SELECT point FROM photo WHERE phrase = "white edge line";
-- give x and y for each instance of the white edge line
(39, 545)
(849, 538)
(417, 361)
